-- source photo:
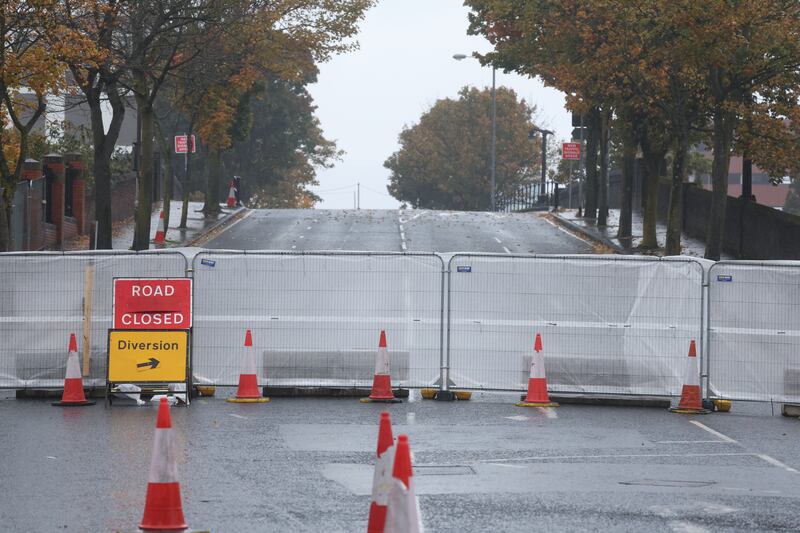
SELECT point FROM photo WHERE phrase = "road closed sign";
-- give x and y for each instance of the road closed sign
(147, 356)
(149, 303)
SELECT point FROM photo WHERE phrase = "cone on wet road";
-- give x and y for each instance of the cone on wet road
(402, 509)
(73, 381)
(161, 232)
(231, 195)
(537, 382)
(691, 402)
(163, 510)
(381, 481)
(382, 380)
(248, 391)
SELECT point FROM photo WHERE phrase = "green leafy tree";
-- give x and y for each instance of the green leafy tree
(444, 160)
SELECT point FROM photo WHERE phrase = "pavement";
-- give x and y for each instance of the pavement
(197, 226)
(305, 465)
(398, 230)
(608, 235)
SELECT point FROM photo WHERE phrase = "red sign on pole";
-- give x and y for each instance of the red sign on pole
(571, 151)
(152, 303)
(182, 144)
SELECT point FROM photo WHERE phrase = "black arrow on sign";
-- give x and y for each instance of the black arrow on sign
(152, 363)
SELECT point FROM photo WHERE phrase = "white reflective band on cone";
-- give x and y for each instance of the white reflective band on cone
(249, 361)
(163, 465)
(73, 366)
(382, 479)
(537, 365)
(402, 511)
(382, 361)
(692, 376)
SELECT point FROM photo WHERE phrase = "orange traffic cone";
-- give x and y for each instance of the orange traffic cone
(162, 505)
(231, 195)
(537, 382)
(161, 232)
(402, 509)
(381, 481)
(382, 380)
(248, 378)
(691, 398)
(73, 381)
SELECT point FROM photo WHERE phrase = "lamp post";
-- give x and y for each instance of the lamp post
(544, 133)
(493, 164)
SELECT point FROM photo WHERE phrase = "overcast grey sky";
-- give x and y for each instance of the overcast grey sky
(403, 66)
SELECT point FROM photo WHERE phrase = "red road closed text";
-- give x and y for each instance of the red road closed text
(152, 303)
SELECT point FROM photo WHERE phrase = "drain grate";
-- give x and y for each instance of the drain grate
(443, 470)
(668, 483)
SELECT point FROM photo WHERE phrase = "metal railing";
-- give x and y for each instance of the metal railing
(316, 317)
(42, 299)
(610, 324)
(754, 331)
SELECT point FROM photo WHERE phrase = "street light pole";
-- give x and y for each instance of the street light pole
(493, 164)
(545, 133)
(494, 137)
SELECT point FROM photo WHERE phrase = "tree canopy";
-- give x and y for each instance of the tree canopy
(444, 160)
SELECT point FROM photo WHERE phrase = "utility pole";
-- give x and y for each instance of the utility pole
(494, 136)
(358, 205)
(545, 133)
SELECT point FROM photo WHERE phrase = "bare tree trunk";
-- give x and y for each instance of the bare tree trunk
(5, 222)
(211, 206)
(166, 157)
(592, 140)
(653, 155)
(144, 211)
(723, 139)
(602, 197)
(674, 219)
(629, 147)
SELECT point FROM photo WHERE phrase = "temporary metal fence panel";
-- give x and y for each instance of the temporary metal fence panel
(754, 331)
(609, 324)
(41, 303)
(316, 317)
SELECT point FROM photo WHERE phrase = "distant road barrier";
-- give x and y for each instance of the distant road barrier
(610, 324)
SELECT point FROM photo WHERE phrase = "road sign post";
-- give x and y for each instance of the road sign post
(182, 144)
(149, 340)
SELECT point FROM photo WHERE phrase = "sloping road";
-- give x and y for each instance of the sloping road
(393, 230)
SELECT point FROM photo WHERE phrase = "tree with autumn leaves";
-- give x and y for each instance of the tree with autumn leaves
(667, 73)
(213, 54)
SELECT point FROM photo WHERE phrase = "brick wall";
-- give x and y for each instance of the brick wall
(123, 199)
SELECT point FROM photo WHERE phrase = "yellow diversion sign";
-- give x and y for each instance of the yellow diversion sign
(145, 356)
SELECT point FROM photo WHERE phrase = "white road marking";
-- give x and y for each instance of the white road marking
(498, 240)
(293, 247)
(507, 466)
(302, 237)
(681, 526)
(568, 232)
(237, 416)
(549, 412)
(517, 417)
(713, 431)
(507, 250)
(308, 227)
(690, 442)
(775, 462)
(613, 456)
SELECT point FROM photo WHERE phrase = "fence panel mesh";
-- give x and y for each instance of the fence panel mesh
(754, 331)
(41, 303)
(609, 325)
(316, 317)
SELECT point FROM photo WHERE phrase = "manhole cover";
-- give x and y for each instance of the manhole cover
(668, 483)
(443, 470)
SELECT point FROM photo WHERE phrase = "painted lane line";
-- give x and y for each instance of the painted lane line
(568, 232)
(517, 417)
(682, 526)
(498, 240)
(691, 442)
(507, 466)
(613, 456)
(302, 237)
(403, 246)
(775, 462)
(713, 432)
(549, 412)
(507, 250)
(308, 227)
(237, 416)
(293, 247)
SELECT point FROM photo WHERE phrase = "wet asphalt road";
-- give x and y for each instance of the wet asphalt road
(392, 230)
(485, 465)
